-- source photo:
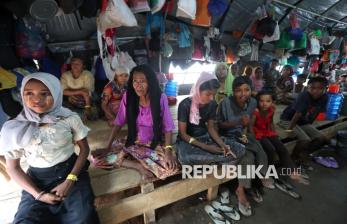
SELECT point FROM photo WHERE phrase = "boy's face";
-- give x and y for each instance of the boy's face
(316, 90)
(76, 67)
(242, 93)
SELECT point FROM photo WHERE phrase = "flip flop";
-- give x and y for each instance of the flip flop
(256, 196)
(227, 209)
(325, 161)
(245, 210)
(333, 162)
(225, 196)
(215, 215)
(284, 188)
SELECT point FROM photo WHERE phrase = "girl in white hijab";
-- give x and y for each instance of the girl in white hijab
(56, 186)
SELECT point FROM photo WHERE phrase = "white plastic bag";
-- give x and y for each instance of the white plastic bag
(315, 46)
(274, 37)
(122, 59)
(158, 6)
(117, 14)
(186, 9)
(138, 6)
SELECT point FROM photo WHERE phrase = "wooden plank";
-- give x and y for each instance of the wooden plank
(149, 216)
(114, 181)
(212, 193)
(141, 203)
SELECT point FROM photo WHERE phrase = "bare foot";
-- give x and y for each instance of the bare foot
(241, 196)
(298, 178)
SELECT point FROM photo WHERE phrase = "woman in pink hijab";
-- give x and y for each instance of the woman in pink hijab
(198, 142)
(257, 80)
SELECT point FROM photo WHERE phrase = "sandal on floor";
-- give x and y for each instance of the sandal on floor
(225, 196)
(328, 162)
(284, 187)
(227, 209)
(215, 215)
(245, 210)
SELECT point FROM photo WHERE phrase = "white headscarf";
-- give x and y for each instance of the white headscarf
(17, 133)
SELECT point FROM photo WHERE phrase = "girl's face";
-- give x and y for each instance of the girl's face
(259, 73)
(265, 102)
(76, 68)
(140, 84)
(221, 72)
(121, 79)
(206, 96)
(242, 93)
(248, 71)
(286, 72)
(37, 97)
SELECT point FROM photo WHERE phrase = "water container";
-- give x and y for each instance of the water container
(334, 105)
(171, 88)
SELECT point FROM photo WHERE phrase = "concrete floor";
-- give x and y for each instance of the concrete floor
(323, 201)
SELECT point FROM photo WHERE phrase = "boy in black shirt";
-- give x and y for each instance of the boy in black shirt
(299, 117)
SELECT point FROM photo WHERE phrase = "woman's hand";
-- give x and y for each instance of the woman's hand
(170, 161)
(213, 149)
(50, 198)
(63, 189)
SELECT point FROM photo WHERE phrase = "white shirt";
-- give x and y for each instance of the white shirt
(52, 143)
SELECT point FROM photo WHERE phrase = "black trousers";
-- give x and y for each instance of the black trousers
(77, 208)
(273, 145)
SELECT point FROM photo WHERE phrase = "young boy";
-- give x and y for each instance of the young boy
(233, 117)
(299, 117)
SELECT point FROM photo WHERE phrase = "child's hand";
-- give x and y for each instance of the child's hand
(245, 120)
(63, 189)
(100, 153)
(214, 149)
(228, 152)
(50, 198)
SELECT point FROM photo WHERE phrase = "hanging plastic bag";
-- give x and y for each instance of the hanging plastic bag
(198, 52)
(156, 5)
(203, 17)
(285, 42)
(186, 9)
(314, 46)
(230, 57)
(275, 36)
(29, 41)
(255, 51)
(117, 14)
(137, 6)
(166, 49)
(217, 7)
(244, 49)
(122, 59)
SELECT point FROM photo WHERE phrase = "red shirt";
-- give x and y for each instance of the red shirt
(262, 126)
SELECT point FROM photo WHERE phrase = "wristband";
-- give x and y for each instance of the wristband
(40, 195)
(191, 140)
(168, 147)
(72, 177)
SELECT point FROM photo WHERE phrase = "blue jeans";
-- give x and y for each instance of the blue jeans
(77, 208)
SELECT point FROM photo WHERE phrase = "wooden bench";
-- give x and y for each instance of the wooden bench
(150, 198)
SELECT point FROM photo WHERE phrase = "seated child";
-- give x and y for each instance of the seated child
(263, 128)
(285, 85)
(113, 93)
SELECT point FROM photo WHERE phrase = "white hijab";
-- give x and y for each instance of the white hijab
(17, 133)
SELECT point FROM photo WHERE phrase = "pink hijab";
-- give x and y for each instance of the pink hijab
(194, 116)
(257, 83)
